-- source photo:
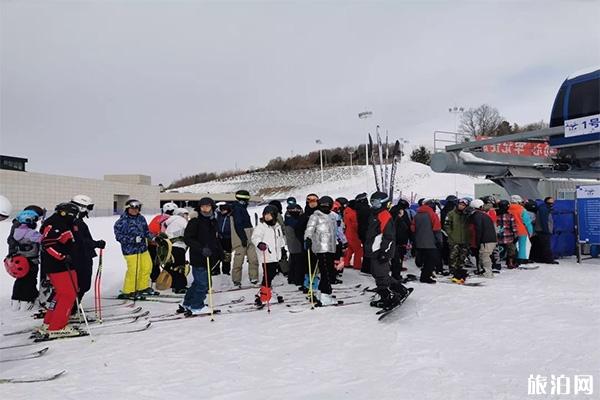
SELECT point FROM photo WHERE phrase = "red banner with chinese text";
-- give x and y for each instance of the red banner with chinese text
(533, 149)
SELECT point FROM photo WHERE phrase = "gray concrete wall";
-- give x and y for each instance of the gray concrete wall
(25, 188)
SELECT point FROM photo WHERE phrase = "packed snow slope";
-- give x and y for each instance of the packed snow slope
(445, 342)
(412, 178)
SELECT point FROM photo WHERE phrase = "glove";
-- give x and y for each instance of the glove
(262, 246)
(244, 242)
(138, 239)
(284, 255)
(206, 252)
(383, 257)
(307, 244)
(100, 244)
(344, 246)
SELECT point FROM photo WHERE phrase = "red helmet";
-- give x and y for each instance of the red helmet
(16, 266)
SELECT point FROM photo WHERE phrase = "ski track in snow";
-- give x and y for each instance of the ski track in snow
(446, 342)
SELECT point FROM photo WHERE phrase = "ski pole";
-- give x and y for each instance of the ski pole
(79, 306)
(98, 299)
(266, 279)
(310, 282)
(210, 299)
(137, 266)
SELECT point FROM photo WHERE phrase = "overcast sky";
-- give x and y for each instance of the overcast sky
(170, 88)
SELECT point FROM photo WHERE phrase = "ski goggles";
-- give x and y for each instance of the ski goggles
(134, 204)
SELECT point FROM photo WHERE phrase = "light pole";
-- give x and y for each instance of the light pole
(456, 111)
(365, 115)
(351, 153)
(319, 142)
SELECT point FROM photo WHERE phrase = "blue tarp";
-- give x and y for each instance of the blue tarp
(564, 239)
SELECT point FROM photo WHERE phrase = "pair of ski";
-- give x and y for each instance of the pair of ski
(33, 379)
(176, 316)
(27, 356)
(384, 174)
(139, 327)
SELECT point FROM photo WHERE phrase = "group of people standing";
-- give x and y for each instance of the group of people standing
(311, 245)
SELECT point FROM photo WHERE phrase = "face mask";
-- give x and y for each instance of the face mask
(271, 222)
(325, 209)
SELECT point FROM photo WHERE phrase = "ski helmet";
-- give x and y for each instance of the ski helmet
(169, 208)
(476, 204)
(224, 207)
(489, 199)
(403, 204)
(515, 198)
(181, 211)
(243, 196)
(503, 206)
(379, 200)
(84, 203)
(133, 203)
(291, 201)
(325, 204)
(463, 201)
(294, 209)
(451, 199)
(67, 210)
(17, 266)
(27, 217)
(5, 208)
(337, 206)
(41, 212)
(343, 201)
(361, 197)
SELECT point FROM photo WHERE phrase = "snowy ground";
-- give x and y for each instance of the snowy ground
(447, 342)
(412, 179)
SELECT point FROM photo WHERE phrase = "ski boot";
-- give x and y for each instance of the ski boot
(149, 292)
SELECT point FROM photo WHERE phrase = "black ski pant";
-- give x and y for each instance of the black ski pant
(297, 270)
(84, 270)
(543, 248)
(327, 271)
(152, 249)
(431, 259)
(177, 269)
(397, 262)
(271, 271)
(226, 263)
(25, 288)
(381, 273)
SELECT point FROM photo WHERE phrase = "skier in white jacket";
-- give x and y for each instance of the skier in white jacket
(175, 227)
(269, 241)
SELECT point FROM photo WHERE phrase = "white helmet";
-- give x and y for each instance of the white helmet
(169, 208)
(5, 208)
(85, 203)
(181, 211)
(476, 204)
(515, 198)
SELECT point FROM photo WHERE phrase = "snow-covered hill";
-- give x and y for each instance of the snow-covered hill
(446, 342)
(412, 179)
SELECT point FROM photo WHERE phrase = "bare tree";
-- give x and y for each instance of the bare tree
(483, 120)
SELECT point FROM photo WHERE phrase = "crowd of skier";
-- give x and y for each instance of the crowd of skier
(310, 244)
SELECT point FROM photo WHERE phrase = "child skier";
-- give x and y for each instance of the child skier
(297, 262)
(25, 242)
(175, 228)
(269, 241)
(57, 246)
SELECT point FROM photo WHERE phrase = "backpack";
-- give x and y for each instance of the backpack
(155, 227)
